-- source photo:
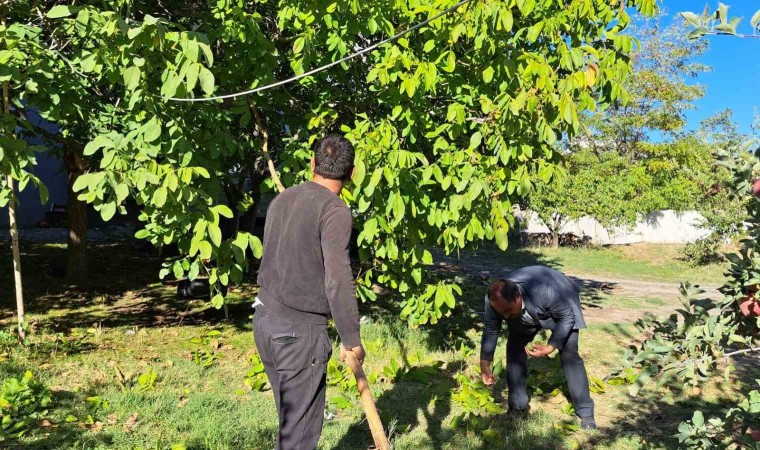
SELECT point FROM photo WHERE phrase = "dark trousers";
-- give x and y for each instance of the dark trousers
(572, 365)
(295, 354)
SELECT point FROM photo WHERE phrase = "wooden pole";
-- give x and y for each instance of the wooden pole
(14, 236)
(373, 418)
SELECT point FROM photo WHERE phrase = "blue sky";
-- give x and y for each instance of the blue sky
(735, 78)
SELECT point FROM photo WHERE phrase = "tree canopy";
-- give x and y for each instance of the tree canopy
(450, 122)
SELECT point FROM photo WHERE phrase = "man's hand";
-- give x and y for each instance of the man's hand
(358, 351)
(486, 374)
(539, 351)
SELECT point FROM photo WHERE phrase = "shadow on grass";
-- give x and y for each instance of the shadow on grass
(123, 291)
(655, 421)
(401, 406)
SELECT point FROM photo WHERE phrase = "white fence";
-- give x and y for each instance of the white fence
(665, 227)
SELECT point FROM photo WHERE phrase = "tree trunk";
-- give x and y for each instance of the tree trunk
(555, 238)
(16, 260)
(555, 231)
(76, 216)
(14, 236)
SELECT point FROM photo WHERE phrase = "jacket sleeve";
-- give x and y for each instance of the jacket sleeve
(339, 281)
(564, 319)
(491, 329)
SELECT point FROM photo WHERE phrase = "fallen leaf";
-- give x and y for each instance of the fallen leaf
(44, 423)
(96, 427)
(131, 423)
(183, 401)
(112, 419)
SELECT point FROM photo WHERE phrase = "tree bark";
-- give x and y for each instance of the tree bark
(555, 232)
(16, 259)
(14, 237)
(76, 216)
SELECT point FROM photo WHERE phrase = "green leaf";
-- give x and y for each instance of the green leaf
(207, 80)
(723, 13)
(191, 77)
(298, 45)
(159, 197)
(152, 130)
(204, 247)
(217, 301)
(429, 45)
(488, 74)
(491, 436)
(692, 18)
(475, 140)
(131, 77)
(451, 62)
(698, 419)
(215, 233)
(224, 211)
(81, 183)
(194, 271)
(755, 21)
(107, 211)
(99, 142)
(360, 172)
(59, 11)
(256, 246)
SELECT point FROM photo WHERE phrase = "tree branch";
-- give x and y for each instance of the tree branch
(739, 352)
(37, 129)
(265, 147)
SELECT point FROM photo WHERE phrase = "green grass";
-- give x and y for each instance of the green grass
(128, 322)
(648, 262)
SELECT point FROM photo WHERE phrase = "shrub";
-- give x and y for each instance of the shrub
(22, 401)
(703, 251)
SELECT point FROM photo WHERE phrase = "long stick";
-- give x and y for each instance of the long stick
(373, 418)
(14, 236)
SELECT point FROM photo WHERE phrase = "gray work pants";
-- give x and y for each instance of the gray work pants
(295, 352)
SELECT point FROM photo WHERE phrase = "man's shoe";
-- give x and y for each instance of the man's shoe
(588, 423)
(517, 414)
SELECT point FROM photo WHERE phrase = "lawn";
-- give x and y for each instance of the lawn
(95, 345)
(647, 262)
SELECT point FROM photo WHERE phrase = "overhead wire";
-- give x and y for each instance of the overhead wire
(326, 66)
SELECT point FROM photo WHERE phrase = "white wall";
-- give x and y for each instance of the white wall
(666, 227)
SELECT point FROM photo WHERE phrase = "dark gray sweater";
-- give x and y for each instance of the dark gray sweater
(305, 264)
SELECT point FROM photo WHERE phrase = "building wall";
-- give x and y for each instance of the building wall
(50, 170)
(665, 227)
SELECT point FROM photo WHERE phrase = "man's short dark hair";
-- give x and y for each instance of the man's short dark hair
(504, 290)
(334, 158)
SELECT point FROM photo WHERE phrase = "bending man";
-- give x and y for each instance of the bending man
(531, 299)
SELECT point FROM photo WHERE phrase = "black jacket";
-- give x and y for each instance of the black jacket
(550, 297)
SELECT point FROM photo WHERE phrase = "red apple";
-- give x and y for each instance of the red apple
(756, 188)
(749, 306)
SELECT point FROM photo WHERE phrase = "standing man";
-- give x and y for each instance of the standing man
(305, 276)
(531, 299)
